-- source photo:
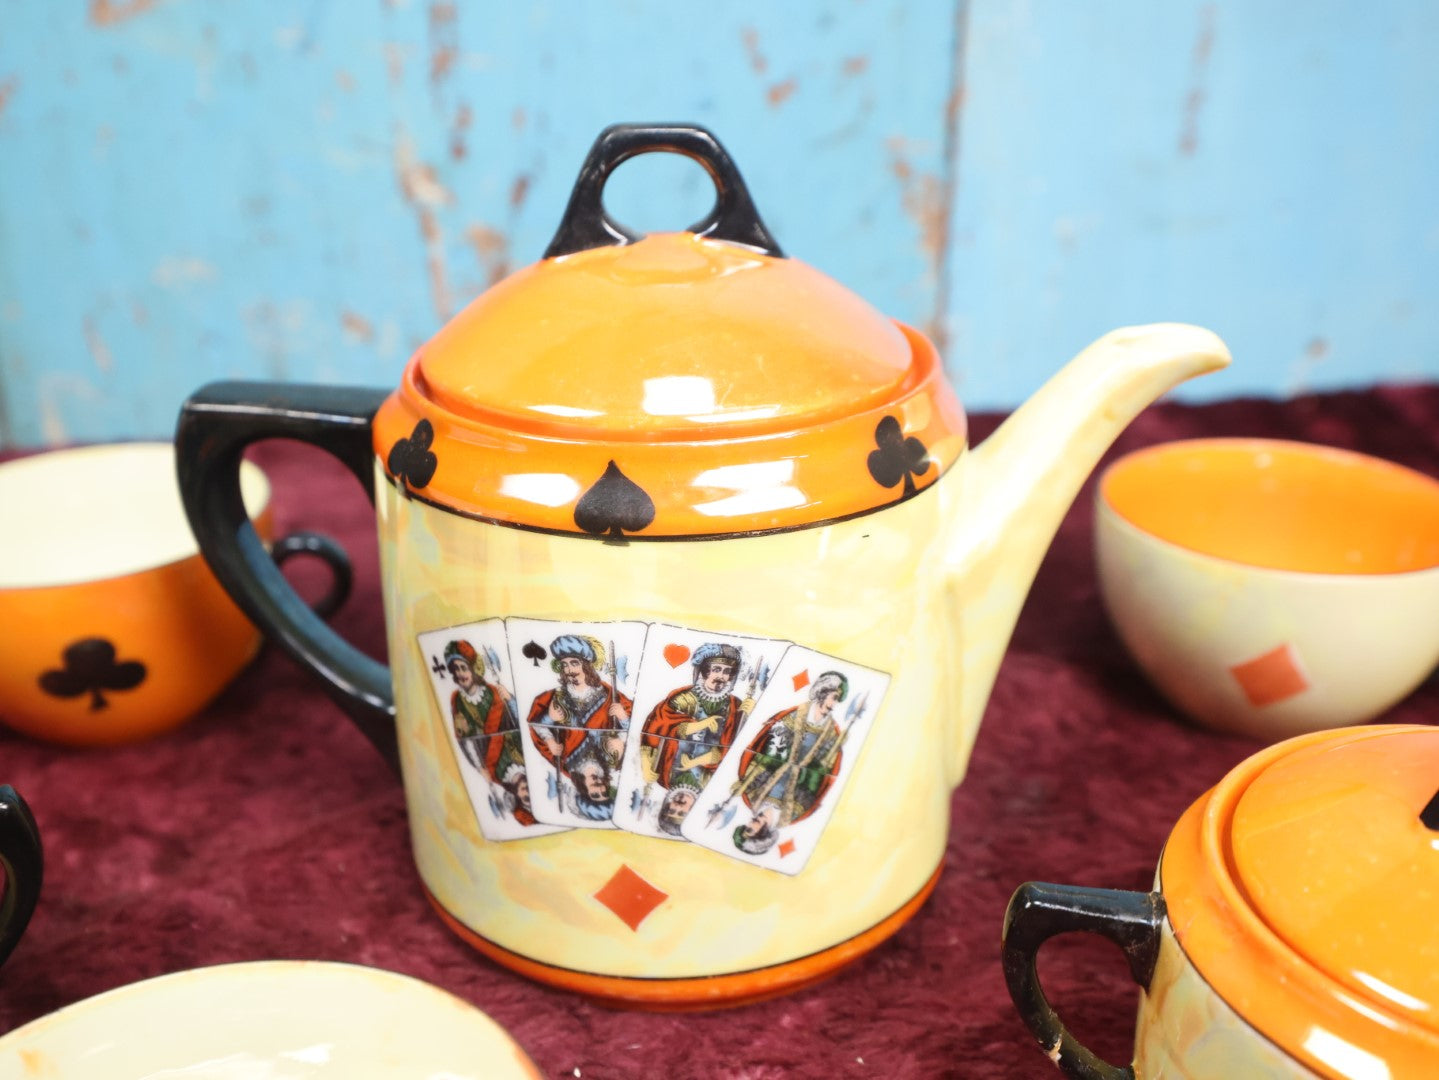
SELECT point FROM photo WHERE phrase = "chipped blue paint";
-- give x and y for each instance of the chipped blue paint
(305, 191)
(1266, 169)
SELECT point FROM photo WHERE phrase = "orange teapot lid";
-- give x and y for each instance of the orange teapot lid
(1305, 888)
(674, 385)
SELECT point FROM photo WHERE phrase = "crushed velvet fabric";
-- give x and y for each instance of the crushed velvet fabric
(268, 828)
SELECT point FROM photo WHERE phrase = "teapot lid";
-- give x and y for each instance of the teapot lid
(1304, 889)
(686, 384)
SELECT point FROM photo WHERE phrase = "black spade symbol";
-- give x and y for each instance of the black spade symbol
(534, 651)
(615, 505)
(897, 458)
(90, 667)
(411, 460)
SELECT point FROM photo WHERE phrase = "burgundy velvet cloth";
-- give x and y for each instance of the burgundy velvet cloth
(268, 828)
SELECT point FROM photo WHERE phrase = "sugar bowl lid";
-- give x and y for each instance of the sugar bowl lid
(672, 385)
(1304, 888)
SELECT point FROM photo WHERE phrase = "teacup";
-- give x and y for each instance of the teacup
(1268, 587)
(112, 627)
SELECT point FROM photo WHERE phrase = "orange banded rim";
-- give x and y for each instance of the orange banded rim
(614, 487)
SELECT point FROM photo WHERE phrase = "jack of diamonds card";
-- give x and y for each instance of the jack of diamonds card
(574, 685)
(470, 673)
(696, 689)
(772, 795)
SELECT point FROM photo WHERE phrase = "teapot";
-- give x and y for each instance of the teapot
(694, 593)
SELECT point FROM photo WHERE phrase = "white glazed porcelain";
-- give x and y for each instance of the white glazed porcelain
(274, 1020)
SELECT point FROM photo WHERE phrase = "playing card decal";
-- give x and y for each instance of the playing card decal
(614, 506)
(740, 744)
(91, 668)
(897, 458)
(576, 712)
(695, 690)
(469, 669)
(411, 461)
(776, 789)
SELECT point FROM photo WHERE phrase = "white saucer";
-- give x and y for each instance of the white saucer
(274, 1020)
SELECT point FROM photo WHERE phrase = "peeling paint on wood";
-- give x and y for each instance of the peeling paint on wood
(111, 12)
(1194, 100)
(757, 62)
(459, 132)
(492, 250)
(780, 92)
(519, 191)
(422, 189)
(444, 42)
(358, 329)
(99, 351)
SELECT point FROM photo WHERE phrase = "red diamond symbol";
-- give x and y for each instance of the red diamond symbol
(1271, 678)
(801, 680)
(630, 897)
(787, 848)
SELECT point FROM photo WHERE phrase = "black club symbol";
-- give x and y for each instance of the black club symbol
(411, 459)
(897, 458)
(90, 667)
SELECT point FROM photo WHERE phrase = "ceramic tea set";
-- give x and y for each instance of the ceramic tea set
(571, 483)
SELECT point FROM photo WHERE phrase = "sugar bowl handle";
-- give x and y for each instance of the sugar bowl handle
(1038, 912)
(216, 425)
(586, 225)
(24, 863)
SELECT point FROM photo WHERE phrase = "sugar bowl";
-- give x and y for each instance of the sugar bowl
(1291, 930)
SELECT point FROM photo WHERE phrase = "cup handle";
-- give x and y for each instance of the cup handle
(215, 427)
(331, 553)
(1038, 912)
(24, 862)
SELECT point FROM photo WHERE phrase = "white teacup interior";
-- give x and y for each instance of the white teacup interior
(98, 512)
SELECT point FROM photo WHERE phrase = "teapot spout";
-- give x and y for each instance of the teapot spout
(1018, 485)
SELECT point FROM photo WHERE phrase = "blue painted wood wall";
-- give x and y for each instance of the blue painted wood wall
(192, 189)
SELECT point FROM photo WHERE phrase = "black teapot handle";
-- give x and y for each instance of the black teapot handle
(1038, 912)
(586, 225)
(216, 425)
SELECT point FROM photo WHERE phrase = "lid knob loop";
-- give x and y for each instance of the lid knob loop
(585, 224)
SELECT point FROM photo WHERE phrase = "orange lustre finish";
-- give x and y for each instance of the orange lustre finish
(1303, 889)
(174, 619)
(711, 389)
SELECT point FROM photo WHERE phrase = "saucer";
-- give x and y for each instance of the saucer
(272, 1020)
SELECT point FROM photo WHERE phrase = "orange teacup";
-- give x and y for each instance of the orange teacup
(112, 627)
(1272, 587)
